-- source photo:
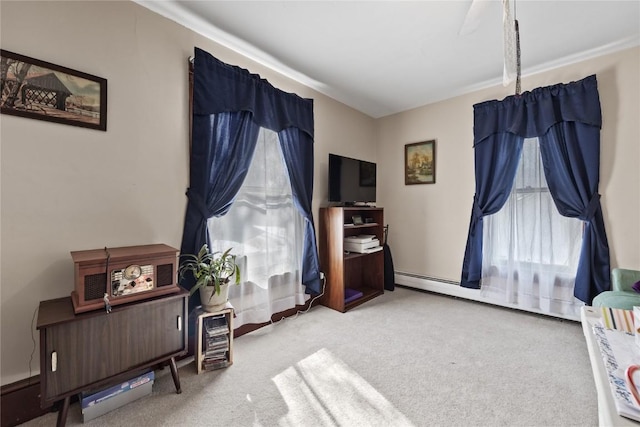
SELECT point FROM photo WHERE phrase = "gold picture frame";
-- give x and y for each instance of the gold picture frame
(420, 163)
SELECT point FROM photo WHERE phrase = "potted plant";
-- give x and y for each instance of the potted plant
(213, 273)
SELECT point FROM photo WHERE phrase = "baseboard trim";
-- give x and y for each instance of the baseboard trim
(452, 288)
(20, 402)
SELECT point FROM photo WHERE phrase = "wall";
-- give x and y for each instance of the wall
(67, 188)
(428, 224)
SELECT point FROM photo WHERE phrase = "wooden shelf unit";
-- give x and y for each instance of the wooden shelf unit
(200, 352)
(362, 272)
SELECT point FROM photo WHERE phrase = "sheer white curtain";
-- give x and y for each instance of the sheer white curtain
(530, 250)
(266, 233)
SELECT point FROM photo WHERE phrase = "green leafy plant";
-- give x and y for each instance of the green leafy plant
(210, 269)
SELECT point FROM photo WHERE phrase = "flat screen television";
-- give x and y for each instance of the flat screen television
(351, 181)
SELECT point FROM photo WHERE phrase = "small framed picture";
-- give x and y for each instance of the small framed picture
(420, 163)
(357, 220)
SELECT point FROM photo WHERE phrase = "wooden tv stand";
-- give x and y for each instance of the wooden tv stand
(87, 351)
(360, 272)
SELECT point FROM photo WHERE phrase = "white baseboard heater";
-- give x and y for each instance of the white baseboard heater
(453, 288)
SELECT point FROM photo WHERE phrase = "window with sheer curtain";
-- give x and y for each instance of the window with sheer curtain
(530, 251)
(266, 232)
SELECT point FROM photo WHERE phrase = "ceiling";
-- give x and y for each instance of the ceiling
(384, 57)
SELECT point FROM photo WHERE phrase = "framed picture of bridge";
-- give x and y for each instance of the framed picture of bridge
(40, 90)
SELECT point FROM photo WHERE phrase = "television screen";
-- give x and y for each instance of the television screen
(351, 180)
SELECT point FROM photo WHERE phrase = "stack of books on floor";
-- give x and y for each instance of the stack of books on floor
(216, 343)
(97, 403)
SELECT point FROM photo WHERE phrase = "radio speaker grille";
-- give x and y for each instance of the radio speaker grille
(95, 286)
(165, 275)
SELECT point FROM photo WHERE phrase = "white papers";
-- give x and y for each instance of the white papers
(618, 352)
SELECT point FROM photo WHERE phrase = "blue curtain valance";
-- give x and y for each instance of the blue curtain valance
(531, 114)
(222, 88)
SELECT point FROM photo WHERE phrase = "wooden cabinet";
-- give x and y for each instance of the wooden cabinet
(214, 340)
(80, 352)
(361, 272)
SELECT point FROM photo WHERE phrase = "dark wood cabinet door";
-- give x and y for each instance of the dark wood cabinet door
(95, 347)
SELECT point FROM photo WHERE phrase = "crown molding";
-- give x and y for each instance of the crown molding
(174, 11)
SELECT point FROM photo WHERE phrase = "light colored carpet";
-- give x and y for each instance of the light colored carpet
(405, 358)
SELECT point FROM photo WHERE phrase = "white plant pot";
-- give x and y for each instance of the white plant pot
(215, 302)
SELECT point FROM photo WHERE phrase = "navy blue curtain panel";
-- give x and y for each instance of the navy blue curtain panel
(297, 150)
(570, 153)
(567, 119)
(221, 152)
(229, 107)
(496, 163)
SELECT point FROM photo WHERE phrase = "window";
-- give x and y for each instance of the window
(266, 232)
(531, 251)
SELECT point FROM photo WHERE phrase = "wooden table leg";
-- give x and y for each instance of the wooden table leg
(62, 415)
(174, 374)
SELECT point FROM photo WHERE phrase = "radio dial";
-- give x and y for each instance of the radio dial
(132, 272)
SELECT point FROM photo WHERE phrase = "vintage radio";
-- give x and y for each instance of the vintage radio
(121, 275)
